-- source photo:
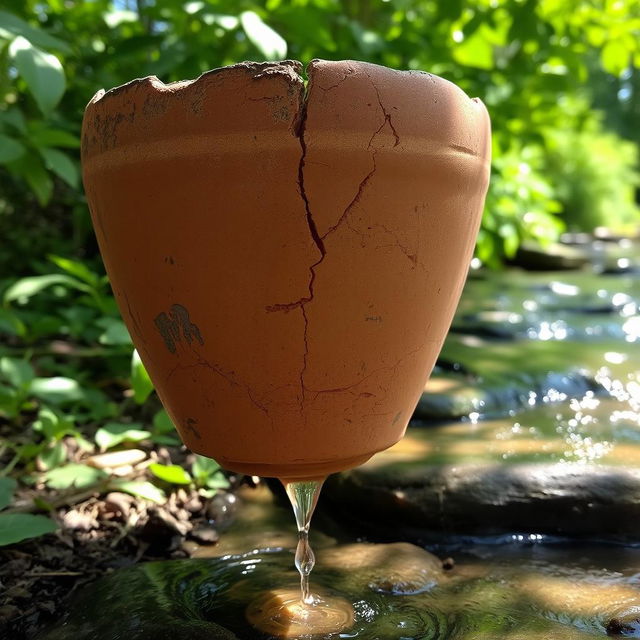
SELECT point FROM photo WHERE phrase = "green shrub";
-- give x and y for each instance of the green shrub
(594, 176)
(520, 205)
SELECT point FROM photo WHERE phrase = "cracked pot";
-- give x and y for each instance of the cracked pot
(287, 260)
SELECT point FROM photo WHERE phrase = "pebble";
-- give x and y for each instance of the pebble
(115, 459)
(204, 535)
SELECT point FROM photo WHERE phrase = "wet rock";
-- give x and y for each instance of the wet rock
(626, 625)
(398, 567)
(162, 531)
(556, 257)
(416, 501)
(118, 503)
(204, 535)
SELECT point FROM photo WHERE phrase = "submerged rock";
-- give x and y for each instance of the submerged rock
(569, 467)
(553, 258)
(377, 591)
(512, 599)
(415, 501)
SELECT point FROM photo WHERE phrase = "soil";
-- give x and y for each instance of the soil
(98, 534)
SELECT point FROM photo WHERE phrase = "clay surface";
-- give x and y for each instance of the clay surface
(288, 261)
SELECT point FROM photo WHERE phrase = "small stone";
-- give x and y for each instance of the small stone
(448, 564)
(204, 535)
(627, 626)
(162, 526)
(118, 503)
(189, 547)
(193, 504)
(115, 459)
(79, 521)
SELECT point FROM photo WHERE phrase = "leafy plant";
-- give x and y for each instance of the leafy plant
(29, 144)
(595, 176)
(171, 473)
(208, 474)
(15, 527)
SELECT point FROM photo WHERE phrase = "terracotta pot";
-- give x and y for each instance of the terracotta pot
(288, 264)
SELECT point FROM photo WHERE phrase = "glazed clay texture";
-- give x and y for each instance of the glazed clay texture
(287, 260)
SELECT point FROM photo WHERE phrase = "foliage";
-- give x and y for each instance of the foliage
(68, 372)
(523, 57)
(595, 178)
(15, 527)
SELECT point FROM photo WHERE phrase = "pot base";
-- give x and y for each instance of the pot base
(301, 471)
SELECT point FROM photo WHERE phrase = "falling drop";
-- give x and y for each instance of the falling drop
(303, 495)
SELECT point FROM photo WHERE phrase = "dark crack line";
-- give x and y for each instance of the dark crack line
(410, 256)
(387, 116)
(372, 373)
(319, 242)
(201, 362)
(337, 84)
(355, 201)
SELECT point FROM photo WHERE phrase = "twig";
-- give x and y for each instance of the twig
(72, 499)
(52, 574)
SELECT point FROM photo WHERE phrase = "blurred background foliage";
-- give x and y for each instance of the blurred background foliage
(561, 79)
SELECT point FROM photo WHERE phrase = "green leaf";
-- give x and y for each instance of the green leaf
(25, 288)
(162, 422)
(18, 27)
(145, 490)
(62, 165)
(15, 527)
(171, 473)
(114, 433)
(77, 269)
(16, 371)
(615, 57)
(218, 481)
(475, 51)
(53, 456)
(52, 425)
(164, 431)
(270, 43)
(79, 476)
(54, 138)
(37, 177)
(15, 119)
(204, 467)
(57, 390)
(115, 332)
(10, 323)
(140, 380)
(10, 149)
(42, 72)
(7, 487)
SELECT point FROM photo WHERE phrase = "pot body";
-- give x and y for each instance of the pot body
(287, 263)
